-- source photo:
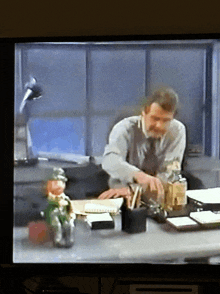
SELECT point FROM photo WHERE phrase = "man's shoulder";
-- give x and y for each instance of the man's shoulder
(176, 129)
(127, 123)
(177, 125)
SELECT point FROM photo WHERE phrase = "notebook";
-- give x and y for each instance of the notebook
(97, 206)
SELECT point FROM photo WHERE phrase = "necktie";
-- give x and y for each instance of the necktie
(150, 163)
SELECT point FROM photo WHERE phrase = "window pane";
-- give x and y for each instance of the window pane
(100, 129)
(117, 78)
(182, 69)
(65, 135)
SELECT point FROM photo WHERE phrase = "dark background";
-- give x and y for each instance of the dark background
(97, 18)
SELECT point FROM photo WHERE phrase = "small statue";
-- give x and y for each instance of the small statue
(59, 212)
(176, 187)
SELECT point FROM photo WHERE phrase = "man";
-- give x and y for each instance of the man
(140, 148)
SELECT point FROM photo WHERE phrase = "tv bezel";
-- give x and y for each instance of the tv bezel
(186, 272)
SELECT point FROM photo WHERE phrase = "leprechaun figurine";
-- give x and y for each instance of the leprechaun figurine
(59, 212)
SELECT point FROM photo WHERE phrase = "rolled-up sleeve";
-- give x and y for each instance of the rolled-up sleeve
(115, 154)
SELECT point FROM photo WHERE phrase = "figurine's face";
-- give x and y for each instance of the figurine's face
(55, 187)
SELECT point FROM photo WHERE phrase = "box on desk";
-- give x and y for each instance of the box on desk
(134, 220)
(175, 195)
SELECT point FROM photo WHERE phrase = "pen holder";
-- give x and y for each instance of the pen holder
(134, 220)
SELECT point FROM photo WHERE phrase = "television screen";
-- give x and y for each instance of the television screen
(68, 95)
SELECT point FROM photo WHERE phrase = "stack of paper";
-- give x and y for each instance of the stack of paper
(183, 222)
(205, 217)
(206, 196)
(100, 221)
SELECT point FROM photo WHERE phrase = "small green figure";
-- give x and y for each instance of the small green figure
(59, 212)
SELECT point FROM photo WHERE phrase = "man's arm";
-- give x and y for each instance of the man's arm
(115, 154)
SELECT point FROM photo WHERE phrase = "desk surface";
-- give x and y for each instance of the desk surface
(159, 244)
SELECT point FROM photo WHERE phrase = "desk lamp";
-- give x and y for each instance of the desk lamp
(23, 154)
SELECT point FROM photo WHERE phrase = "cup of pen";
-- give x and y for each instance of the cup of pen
(134, 217)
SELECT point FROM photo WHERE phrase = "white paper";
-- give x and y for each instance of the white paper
(206, 196)
(181, 221)
(205, 217)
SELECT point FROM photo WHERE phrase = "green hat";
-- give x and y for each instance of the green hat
(58, 175)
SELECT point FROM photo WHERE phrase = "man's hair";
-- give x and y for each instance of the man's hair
(167, 98)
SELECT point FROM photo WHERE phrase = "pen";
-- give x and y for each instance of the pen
(139, 197)
(134, 198)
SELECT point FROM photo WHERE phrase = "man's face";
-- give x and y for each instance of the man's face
(157, 120)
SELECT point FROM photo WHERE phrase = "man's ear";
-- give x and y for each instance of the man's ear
(145, 110)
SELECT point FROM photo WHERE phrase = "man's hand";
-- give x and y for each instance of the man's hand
(117, 192)
(152, 184)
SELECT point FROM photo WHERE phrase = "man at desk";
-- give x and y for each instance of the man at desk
(141, 148)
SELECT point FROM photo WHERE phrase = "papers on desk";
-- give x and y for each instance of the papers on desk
(182, 223)
(199, 219)
(206, 217)
(205, 196)
(85, 207)
(207, 199)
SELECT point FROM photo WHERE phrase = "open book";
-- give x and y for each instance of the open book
(85, 207)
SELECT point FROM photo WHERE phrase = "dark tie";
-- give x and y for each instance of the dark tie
(150, 163)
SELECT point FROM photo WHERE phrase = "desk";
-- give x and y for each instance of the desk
(159, 244)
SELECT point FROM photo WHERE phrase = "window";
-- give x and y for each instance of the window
(87, 85)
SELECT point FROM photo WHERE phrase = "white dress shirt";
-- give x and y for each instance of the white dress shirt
(126, 152)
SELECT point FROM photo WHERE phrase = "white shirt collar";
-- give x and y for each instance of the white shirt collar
(142, 126)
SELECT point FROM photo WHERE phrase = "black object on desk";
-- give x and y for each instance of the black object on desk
(134, 220)
(99, 221)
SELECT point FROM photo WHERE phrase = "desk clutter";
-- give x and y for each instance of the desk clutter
(182, 209)
(203, 211)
